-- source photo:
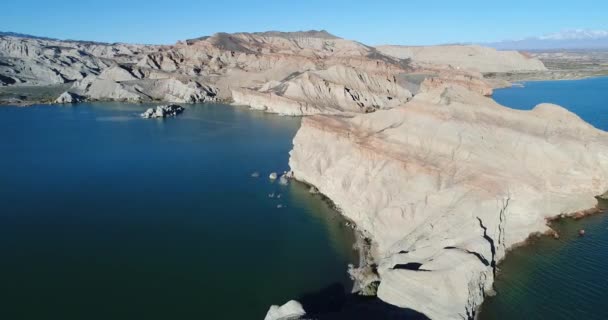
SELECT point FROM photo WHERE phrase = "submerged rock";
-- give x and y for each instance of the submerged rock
(255, 175)
(171, 110)
(289, 311)
(283, 180)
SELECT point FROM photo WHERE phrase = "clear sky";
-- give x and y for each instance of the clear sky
(371, 22)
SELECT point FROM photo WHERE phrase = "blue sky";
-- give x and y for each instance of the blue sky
(371, 22)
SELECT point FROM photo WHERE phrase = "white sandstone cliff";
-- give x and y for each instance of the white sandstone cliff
(447, 183)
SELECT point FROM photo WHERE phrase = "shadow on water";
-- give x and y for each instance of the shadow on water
(334, 303)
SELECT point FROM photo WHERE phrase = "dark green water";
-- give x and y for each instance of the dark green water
(109, 216)
(565, 278)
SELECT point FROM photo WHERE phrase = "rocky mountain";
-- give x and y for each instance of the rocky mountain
(40, 61)
(293, 73)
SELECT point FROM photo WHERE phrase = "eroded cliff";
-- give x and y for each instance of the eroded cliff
(292, 73)
(445, 184)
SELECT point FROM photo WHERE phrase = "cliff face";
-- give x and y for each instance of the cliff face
(334, 90)
(482, 59)
(251, 68)
(32, 61)
(446, 183)
(292, 73)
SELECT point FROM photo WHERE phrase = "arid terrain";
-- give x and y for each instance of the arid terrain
(440, 179)
(562, 65)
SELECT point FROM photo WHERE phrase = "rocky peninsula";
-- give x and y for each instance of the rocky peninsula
(406, 141)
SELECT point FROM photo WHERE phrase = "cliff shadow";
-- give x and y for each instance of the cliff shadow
(335, 303)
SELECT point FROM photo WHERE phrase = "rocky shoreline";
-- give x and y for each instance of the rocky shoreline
(325, 147)
(439, 180)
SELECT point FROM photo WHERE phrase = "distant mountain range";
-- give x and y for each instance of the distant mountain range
(578, 39)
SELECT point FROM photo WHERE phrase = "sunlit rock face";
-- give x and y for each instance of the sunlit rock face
(292, 73)
(445, 184)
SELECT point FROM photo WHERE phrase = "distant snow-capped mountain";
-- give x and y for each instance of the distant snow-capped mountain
(576, 34)
(567, 39)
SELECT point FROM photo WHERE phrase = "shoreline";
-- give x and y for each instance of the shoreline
(535, 238)
(496, 81)
(534, 77)
(364, 244)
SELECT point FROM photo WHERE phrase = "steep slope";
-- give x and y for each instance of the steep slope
(39, 61)
(334, 90)
(209, 68)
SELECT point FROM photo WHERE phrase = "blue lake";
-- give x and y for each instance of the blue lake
(565, 278)
(109, 216)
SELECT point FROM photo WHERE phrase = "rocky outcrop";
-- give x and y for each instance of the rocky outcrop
(603, 201)
(289, 73)
(334, 90)
(69, 97)
(163, 111)
(472, 57)
(447, 183)
(289, 311)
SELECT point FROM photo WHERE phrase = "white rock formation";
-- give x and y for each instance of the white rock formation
(69, 97)
(37, 61)
(472, 57)
(289, 311)
(299, 68)
(163, 111)
(333, 90)
(284, 180)
(445, 184)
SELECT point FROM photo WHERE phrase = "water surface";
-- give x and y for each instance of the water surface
(565, 278)
(109, 216)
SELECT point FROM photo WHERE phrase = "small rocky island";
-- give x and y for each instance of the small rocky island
(171, 110)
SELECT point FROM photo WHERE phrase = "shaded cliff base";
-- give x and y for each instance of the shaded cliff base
(333, 303)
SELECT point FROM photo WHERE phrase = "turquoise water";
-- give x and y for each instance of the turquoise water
(565, 278)
(109, 216)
